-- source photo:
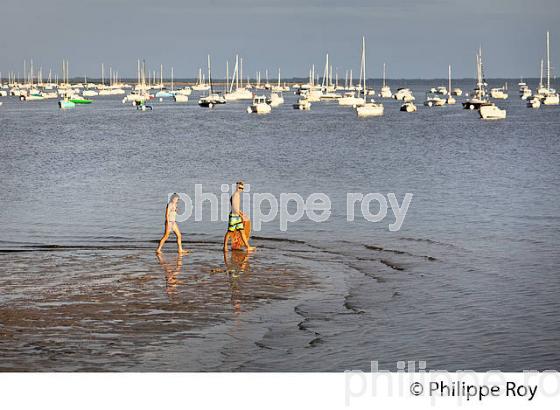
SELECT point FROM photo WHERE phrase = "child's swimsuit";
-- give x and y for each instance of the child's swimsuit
(172, 217)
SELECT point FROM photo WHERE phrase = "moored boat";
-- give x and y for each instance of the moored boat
(259, 106)
(489, 111)
(409, 107)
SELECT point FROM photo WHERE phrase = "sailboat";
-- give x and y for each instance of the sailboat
(349, 98)
(478, 96)
(370, 109)
(163, 92)
(534, 101)
(276, 98)
(487, 110)
(140, 93)
(550, 96)
(278, 87)
(327, 88)
(385, 90)
(201, 83)
(450, 99)
(182, 95)
(240, 92)
(212, 98)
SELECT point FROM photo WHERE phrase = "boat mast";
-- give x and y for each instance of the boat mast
(209, 75)
(241, 70)
(449, 82)
(138, 73)
(548, 60)
(540, 81)
(227, 78)
(325, 82)
(237, 71)
(384, 76)
(364, 64)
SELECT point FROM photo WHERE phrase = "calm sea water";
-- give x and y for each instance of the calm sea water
(471, 281)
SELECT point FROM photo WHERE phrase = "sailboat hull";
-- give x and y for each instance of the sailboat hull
(370, 110)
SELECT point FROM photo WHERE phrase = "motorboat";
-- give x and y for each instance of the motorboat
(409, 107)
(302, 104)
(534, 102)
(434, 100)
(275, 99)
(259, 106)
(181, 98)
(489, 111)
(66, 103)
(499, 93)
(403, 94)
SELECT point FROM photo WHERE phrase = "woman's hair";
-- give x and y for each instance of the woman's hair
(173, 197)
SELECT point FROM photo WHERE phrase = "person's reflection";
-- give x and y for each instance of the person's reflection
(236, 266)
(171, 273)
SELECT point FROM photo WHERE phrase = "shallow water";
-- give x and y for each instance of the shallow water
(471, 281)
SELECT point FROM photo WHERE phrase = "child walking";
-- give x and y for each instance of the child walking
(171, 225)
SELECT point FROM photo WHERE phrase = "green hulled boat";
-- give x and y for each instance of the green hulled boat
(81, 101)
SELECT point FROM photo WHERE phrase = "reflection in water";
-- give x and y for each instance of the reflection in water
(109, 309)
(236, 266)
(171, 273)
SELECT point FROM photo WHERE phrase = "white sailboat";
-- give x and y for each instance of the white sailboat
(367, 109)
(212, 99)
(327, 87)
(163, 92)
(550, 96)
(385, 89)
(240, 92)
(450, 99)
(140, 93)
(478, 96)
(201, 84)
(276, 98)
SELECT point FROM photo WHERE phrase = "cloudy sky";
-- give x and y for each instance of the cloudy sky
(416, 38)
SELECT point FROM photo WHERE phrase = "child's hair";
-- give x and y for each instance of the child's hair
(173, 197)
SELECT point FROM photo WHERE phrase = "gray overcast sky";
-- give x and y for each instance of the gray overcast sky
(417, 38)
